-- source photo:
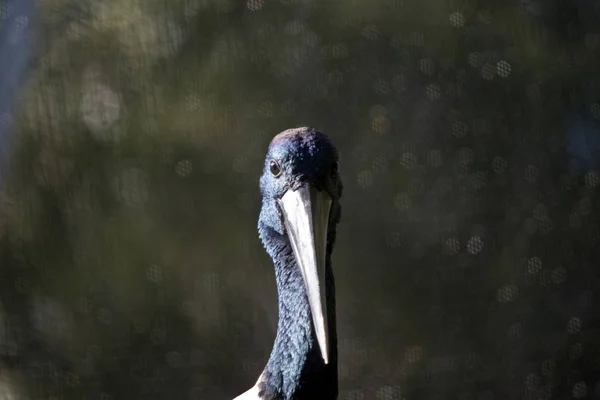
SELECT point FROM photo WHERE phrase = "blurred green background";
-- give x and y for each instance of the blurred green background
(466, 261)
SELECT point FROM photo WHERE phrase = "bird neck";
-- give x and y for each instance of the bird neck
(295, 369)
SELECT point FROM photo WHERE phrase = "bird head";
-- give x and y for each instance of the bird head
(301, 189)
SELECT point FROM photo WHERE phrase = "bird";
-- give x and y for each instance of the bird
(301, 190)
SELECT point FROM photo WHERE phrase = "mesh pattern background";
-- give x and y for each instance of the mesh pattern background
(466, 262)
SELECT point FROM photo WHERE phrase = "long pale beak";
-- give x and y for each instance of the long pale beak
(306, 216)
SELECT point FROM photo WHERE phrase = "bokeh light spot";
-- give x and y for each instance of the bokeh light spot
(507, 293)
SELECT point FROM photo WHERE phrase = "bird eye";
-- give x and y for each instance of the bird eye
(334, 168)
(275, 168)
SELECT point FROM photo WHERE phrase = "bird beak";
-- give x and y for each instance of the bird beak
(306, 217)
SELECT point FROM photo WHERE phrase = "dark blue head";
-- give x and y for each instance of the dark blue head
(301, 188)
(295, 157)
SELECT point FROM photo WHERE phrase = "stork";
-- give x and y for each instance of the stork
(301, 188)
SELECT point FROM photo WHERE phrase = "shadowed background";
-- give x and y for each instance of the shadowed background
(132, 143)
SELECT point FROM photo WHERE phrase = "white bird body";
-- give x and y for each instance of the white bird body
(250, 394)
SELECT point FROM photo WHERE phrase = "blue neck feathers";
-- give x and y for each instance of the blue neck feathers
(295, 370)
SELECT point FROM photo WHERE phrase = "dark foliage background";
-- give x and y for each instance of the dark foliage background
(467, 258)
